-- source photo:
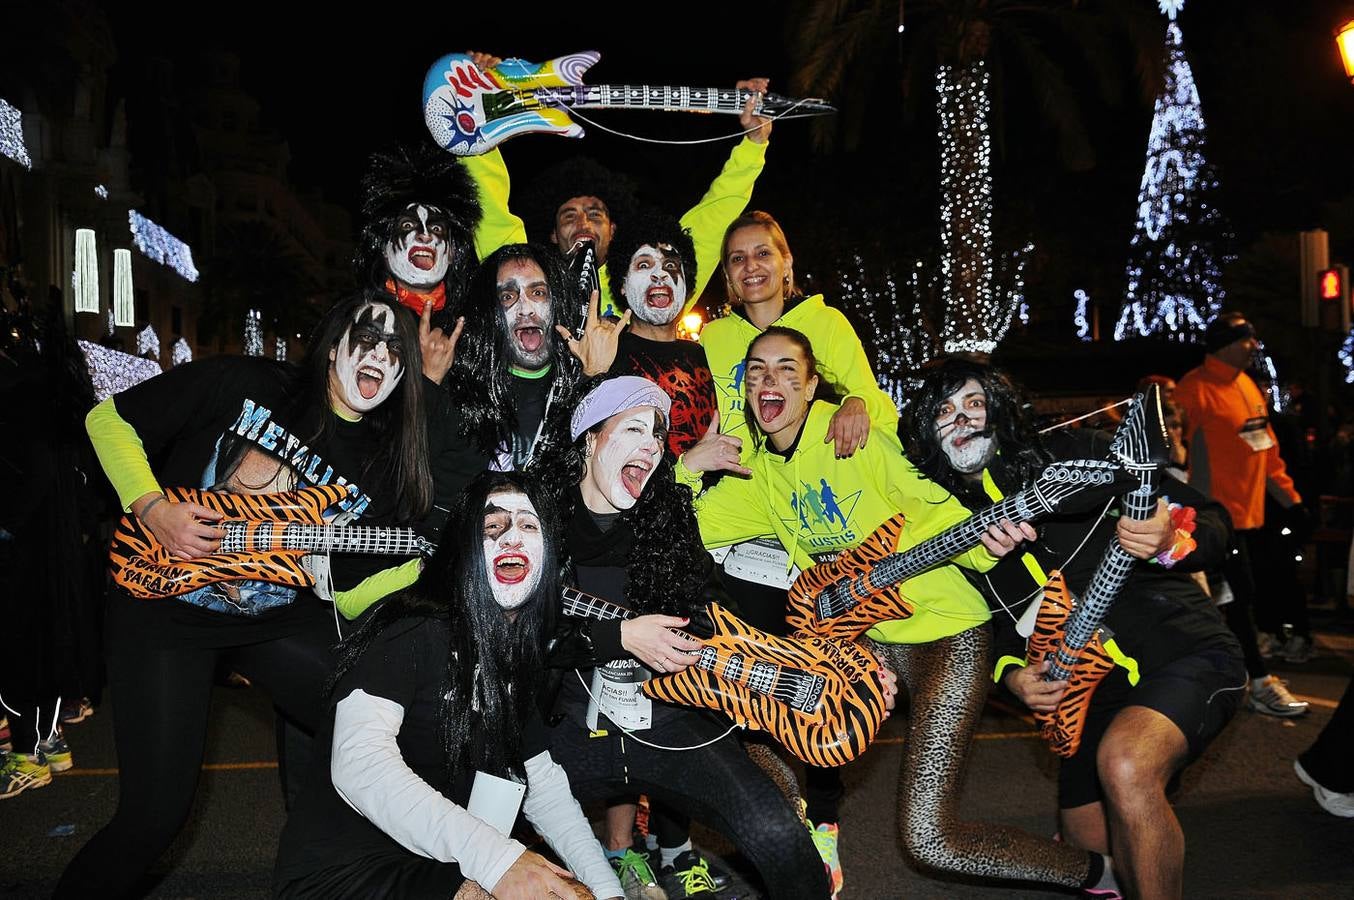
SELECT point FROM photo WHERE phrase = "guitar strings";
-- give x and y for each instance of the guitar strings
(593, 123)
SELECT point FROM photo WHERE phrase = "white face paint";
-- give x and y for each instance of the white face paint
(524, 299)
(418, 253)
(368, 362)
(514, 547)
(621, 460)
(958, 420)
(654, 286)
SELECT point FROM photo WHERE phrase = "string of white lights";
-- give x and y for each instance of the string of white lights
(112, 371)
(147, 341)
(162, 246)
(253, 333)
(124, 311)
(181, 352)
(85, 277)
(12, 135)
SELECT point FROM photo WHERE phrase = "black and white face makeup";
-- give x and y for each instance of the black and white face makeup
(961, 418)
(368, 362)
(524, 299)
(654, 286)
(621, 457)
(514, 548)
(418, 253)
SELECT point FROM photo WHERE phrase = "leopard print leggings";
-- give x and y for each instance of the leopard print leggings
(946, 681)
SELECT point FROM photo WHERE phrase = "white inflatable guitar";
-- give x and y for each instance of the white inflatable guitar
(470, 111)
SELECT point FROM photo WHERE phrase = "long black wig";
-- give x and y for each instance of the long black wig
(496, 664)
(416, 173)
(480, 381)
(401, 460)
(652, 227)
(1021, 452)
(667, 565)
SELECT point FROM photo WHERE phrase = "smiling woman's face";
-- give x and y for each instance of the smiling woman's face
(514, 547)
(621, 458)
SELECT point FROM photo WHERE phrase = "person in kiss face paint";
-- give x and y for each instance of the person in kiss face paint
(631, 539)
(418, 253)
(514, 544)
(524, 302)
(367, 363)
(961, 426)
(470, 639)
(654, 286)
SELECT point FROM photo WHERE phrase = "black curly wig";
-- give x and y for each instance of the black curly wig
(655, 228)
(667, 564)
(480, 381)
(496, 665)
(576, 177)
(416, 173)
(1021, 452)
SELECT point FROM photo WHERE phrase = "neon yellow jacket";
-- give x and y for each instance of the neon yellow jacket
(815, 503)
(724, 201)
(841, 363)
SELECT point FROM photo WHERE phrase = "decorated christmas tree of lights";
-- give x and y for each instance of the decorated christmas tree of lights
(1178, 248)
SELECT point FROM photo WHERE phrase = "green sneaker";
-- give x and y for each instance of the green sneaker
(56, 752)
(825, 839)
(689, 876)
(19, 772)
(636, 877)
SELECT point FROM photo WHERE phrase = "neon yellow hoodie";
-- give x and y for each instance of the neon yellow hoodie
(724, 201)
(841, 363)
(814, 503)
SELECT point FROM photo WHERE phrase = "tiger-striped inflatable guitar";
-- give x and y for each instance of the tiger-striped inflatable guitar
(821, 698)
(266, 538)
(848, 595)
(1067, 630)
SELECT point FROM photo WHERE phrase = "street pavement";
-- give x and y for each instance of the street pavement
(1252, 830)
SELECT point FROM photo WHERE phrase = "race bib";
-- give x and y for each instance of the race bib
(1255, 431)
(616, 694)
(761, 562)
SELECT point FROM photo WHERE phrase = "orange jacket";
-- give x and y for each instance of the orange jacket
(1233, 454)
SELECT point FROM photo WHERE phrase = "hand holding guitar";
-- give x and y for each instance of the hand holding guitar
(652, 640)
(596, 350)
(748, 118)
(1028, 684)
(1145, 538)
(182, 528)
(438, 347)
(1004, 536)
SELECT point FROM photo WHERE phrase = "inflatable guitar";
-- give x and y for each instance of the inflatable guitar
(266, 538)
(821, 698)
(1067, 630)
(470, 111)
(847, 596)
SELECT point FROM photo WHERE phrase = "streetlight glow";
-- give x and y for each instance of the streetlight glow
(1344, 39)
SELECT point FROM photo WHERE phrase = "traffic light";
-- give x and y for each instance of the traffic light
(1332, 289)
(1330, 285)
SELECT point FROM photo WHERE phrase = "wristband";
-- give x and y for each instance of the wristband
(146, 509)
(1182, 543)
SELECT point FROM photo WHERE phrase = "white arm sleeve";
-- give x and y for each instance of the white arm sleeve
(551, 809)
(372, 777)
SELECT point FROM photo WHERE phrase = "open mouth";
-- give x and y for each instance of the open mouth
(634, 475)
(422, 258)
(770, 405)
(659, 297)
(369, 381)
(754, 281)
(529, 337)
(510, 568)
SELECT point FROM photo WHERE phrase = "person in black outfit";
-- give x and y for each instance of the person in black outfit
(347, 415)
(631, 539)
(1180, 676)
(433, 695)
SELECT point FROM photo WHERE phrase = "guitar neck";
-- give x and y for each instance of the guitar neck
(645, 96)
(951, 542)
(324, 539)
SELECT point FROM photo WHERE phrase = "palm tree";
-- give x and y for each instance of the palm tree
(963, 49)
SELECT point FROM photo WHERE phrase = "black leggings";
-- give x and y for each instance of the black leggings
(161, 662)
(718, 785)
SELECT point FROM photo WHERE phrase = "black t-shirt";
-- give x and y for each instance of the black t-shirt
(680, 369)
(405, 664)
(1160, 614)
(198, 421)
